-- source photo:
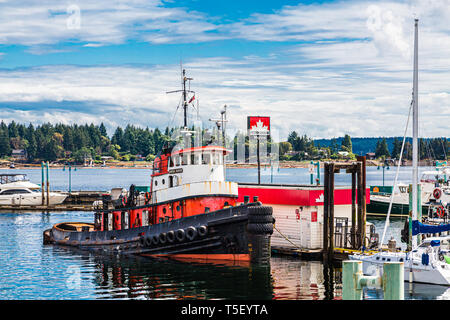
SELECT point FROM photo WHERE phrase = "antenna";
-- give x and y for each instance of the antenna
(184, 93)
(220, 123)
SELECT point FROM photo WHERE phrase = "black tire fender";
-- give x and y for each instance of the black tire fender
(191, 233)
(162, 237)
(202, 231)
(171, 236)
(180, 235)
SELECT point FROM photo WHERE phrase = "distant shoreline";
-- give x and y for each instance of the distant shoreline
(149, 165)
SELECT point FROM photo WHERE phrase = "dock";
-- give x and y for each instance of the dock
(339, 254)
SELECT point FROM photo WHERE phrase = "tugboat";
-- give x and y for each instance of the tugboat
(191, 212)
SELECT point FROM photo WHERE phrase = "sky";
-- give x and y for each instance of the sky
(321, 68)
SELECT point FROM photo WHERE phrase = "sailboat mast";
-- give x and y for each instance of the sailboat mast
(415, 127)
(185, 104)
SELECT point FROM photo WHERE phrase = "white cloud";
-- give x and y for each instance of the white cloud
(97, 22)
(347, 68)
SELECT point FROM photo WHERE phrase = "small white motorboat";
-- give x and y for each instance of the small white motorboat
(428, 263)
(28, 197)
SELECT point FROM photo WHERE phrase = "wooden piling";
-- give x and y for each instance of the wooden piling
(48, 187)
(43, 183)
(353, 231)
(328, 209)
(362, 186)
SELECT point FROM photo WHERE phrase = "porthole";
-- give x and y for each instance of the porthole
(163, 181)
(164, 210)
(178, 208)
(156, 182)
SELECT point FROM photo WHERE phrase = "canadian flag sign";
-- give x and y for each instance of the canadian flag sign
(258, 125)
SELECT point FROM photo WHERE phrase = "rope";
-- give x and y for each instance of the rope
(287, 238)
(386, 224)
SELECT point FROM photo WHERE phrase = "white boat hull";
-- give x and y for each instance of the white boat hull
(32, 199)
(435, 273)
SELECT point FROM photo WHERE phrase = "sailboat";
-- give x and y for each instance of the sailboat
(427, 261)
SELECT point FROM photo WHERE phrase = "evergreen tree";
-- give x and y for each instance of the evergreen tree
(397, 147)
(5, 148)
(347, 144)
(32, 145)
(334, 146)
(382, 149)
(102, 129)
(117, 137)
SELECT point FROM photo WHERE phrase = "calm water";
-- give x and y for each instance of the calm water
(30, 270)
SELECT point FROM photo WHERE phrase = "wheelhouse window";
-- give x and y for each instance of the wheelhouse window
(206, 158)
(184, 159)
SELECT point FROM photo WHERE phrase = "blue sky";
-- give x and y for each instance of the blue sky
(322, 68)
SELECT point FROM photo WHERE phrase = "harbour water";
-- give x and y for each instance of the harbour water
(30, 270)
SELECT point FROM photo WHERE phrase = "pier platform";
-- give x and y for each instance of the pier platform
(340, 254)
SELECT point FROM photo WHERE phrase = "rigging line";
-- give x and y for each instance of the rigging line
(175, 113)
(443, 147)
(428, 146)
(386, 223)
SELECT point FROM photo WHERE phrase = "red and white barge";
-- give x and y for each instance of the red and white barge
(298, 212)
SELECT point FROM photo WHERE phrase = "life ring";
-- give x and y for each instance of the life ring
(148, 196)
(124, 201)
(440, 212)
(437, 193)
(376, 190)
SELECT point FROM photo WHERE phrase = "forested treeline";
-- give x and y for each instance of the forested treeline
(50, 142)
(304, 148)
(75, 142)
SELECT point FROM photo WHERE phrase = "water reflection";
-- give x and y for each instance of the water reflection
(130, 277)
(296, 279)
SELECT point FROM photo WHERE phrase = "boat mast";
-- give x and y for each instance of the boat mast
(415, 128)
(184, 92)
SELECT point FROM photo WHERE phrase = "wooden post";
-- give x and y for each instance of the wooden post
(331, 214)
(43, 183)
(326, 207)
(48, 187)
(354, 221)
(359, 232)
(362, 201)
(328, 212)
